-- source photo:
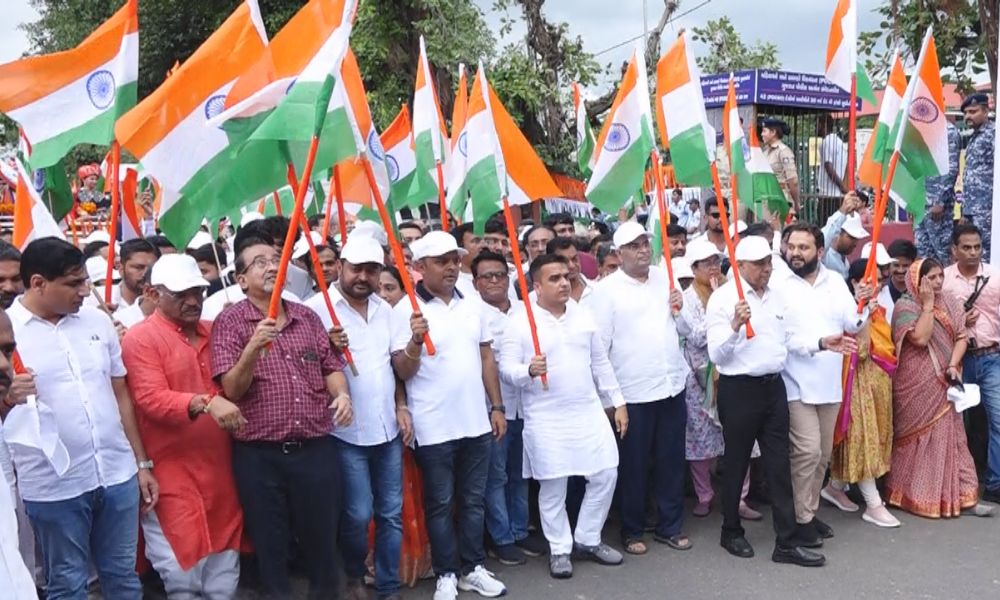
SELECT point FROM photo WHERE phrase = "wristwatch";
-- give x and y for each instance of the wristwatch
(145, 464)
(499, 408)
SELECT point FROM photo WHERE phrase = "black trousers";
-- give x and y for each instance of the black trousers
(756, 408)
(291, 488)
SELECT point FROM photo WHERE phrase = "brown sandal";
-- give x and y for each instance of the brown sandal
(635, 546)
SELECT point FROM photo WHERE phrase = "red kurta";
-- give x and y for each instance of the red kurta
(198, 509)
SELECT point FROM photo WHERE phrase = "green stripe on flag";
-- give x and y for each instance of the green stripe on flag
(484, 188)
(613, 190)
(689, 156)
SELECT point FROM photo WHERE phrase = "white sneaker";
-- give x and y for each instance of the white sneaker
(838, 498)
(446, 589)
(880, 516)
(480, 581)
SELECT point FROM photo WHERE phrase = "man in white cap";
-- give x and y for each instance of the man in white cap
(193, 535)
(823, 306)
(566, 432)
(751, 394)
(640, 321)
(842, 232)
(884, 262)
(447, 396)
(370, 448)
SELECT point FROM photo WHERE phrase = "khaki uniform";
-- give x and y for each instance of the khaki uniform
(782, 161)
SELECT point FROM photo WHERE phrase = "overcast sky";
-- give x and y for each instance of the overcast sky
(799, 27)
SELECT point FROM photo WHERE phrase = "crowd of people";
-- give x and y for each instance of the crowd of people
(179, 413)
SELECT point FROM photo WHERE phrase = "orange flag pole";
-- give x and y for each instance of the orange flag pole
(523, 283)
(441, 200)
(661, 205)
(397, 249)
(852, 126)
(881, 205)
(116, 159)
(730, 247)
(318, 271)
(341, 213)
(328, 213)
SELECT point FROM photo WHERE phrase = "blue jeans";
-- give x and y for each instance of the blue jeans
(372, 477)
(100, 527)
(506, 488)
(984, 371)
(455, 475)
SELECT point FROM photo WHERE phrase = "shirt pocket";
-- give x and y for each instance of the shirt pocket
(93, 358)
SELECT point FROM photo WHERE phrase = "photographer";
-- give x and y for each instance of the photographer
(976, 286)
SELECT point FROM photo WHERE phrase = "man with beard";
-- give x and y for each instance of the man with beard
(137, 256)
(752, 400)
(467, 239)
(287, 380)
(11, 285)
(564, 226)
(371, 448)
(193, 536)
(843, 232)
(824, 307)
(713, 224)
(447, 396)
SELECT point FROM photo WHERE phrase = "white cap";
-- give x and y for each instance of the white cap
(700, 249)
(372, 230)
(301, 247)
(250, 217)
(852, 226)
(98, 236)
(97, 269)
(882, 257)
(435, 243)
(361, 249)
(627, 233)
(682, 268)
(200, 239)
(740, 227)
(752, 247)
(177, 273)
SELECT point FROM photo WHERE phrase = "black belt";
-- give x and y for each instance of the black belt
(761, 379)
(995, 348)
(286, 447)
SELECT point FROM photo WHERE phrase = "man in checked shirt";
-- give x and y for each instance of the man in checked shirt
(288, 382)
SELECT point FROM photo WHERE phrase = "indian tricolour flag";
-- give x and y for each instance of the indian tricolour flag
(74, 97)
(842, 52)
(876, 158)
(501, 162)
(429, 133)
(758, 185)
(167, 131)
(625, 143)
(459, 112)
(31, 219)
(584, 134)
(732, 131)
(921, 136)
(457, 196)
(680, 114)
(400, 160)
(273, 110)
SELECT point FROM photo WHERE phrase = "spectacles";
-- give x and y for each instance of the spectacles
(262, 263)
(193, 293)
(497, 276)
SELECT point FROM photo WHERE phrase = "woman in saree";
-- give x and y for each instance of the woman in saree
(932, 474)
(863, 438)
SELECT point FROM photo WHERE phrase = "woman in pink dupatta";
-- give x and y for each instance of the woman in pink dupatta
(932, 473)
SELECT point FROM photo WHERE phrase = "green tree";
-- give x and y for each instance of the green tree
(728, 52)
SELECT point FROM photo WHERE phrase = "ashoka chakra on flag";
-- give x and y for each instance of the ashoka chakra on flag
(375, 146)
(618, 138)
(463, 144)
(214, 106)
(101, 89)
(924, 110)
(392, 166)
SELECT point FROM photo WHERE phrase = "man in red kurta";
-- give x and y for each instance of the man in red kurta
(193, 536)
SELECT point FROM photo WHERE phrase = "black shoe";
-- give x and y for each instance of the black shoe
(509, 555)
(807, 536)
(992, 496)
(798, 556)
(824, 530)
(737, 546)
(533, 545)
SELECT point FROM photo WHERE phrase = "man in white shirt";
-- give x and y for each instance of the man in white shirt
(833, 160)
(467, 239)
(565, 430)
(752, 400)
(580, 291)
(822, 307)
(506, 488)
(843, 232)
(635, 310)
(447, 397)
(73, 433)
(370, 448)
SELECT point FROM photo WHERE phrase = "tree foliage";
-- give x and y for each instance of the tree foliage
(728, 52)
(964, 34)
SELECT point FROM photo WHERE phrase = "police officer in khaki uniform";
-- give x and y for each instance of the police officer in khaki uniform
(781, 158)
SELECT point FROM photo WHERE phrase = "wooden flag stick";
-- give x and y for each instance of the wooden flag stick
(441, 199)
(730, 247)
(116, 159)
(661, 205)
(523, 284)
